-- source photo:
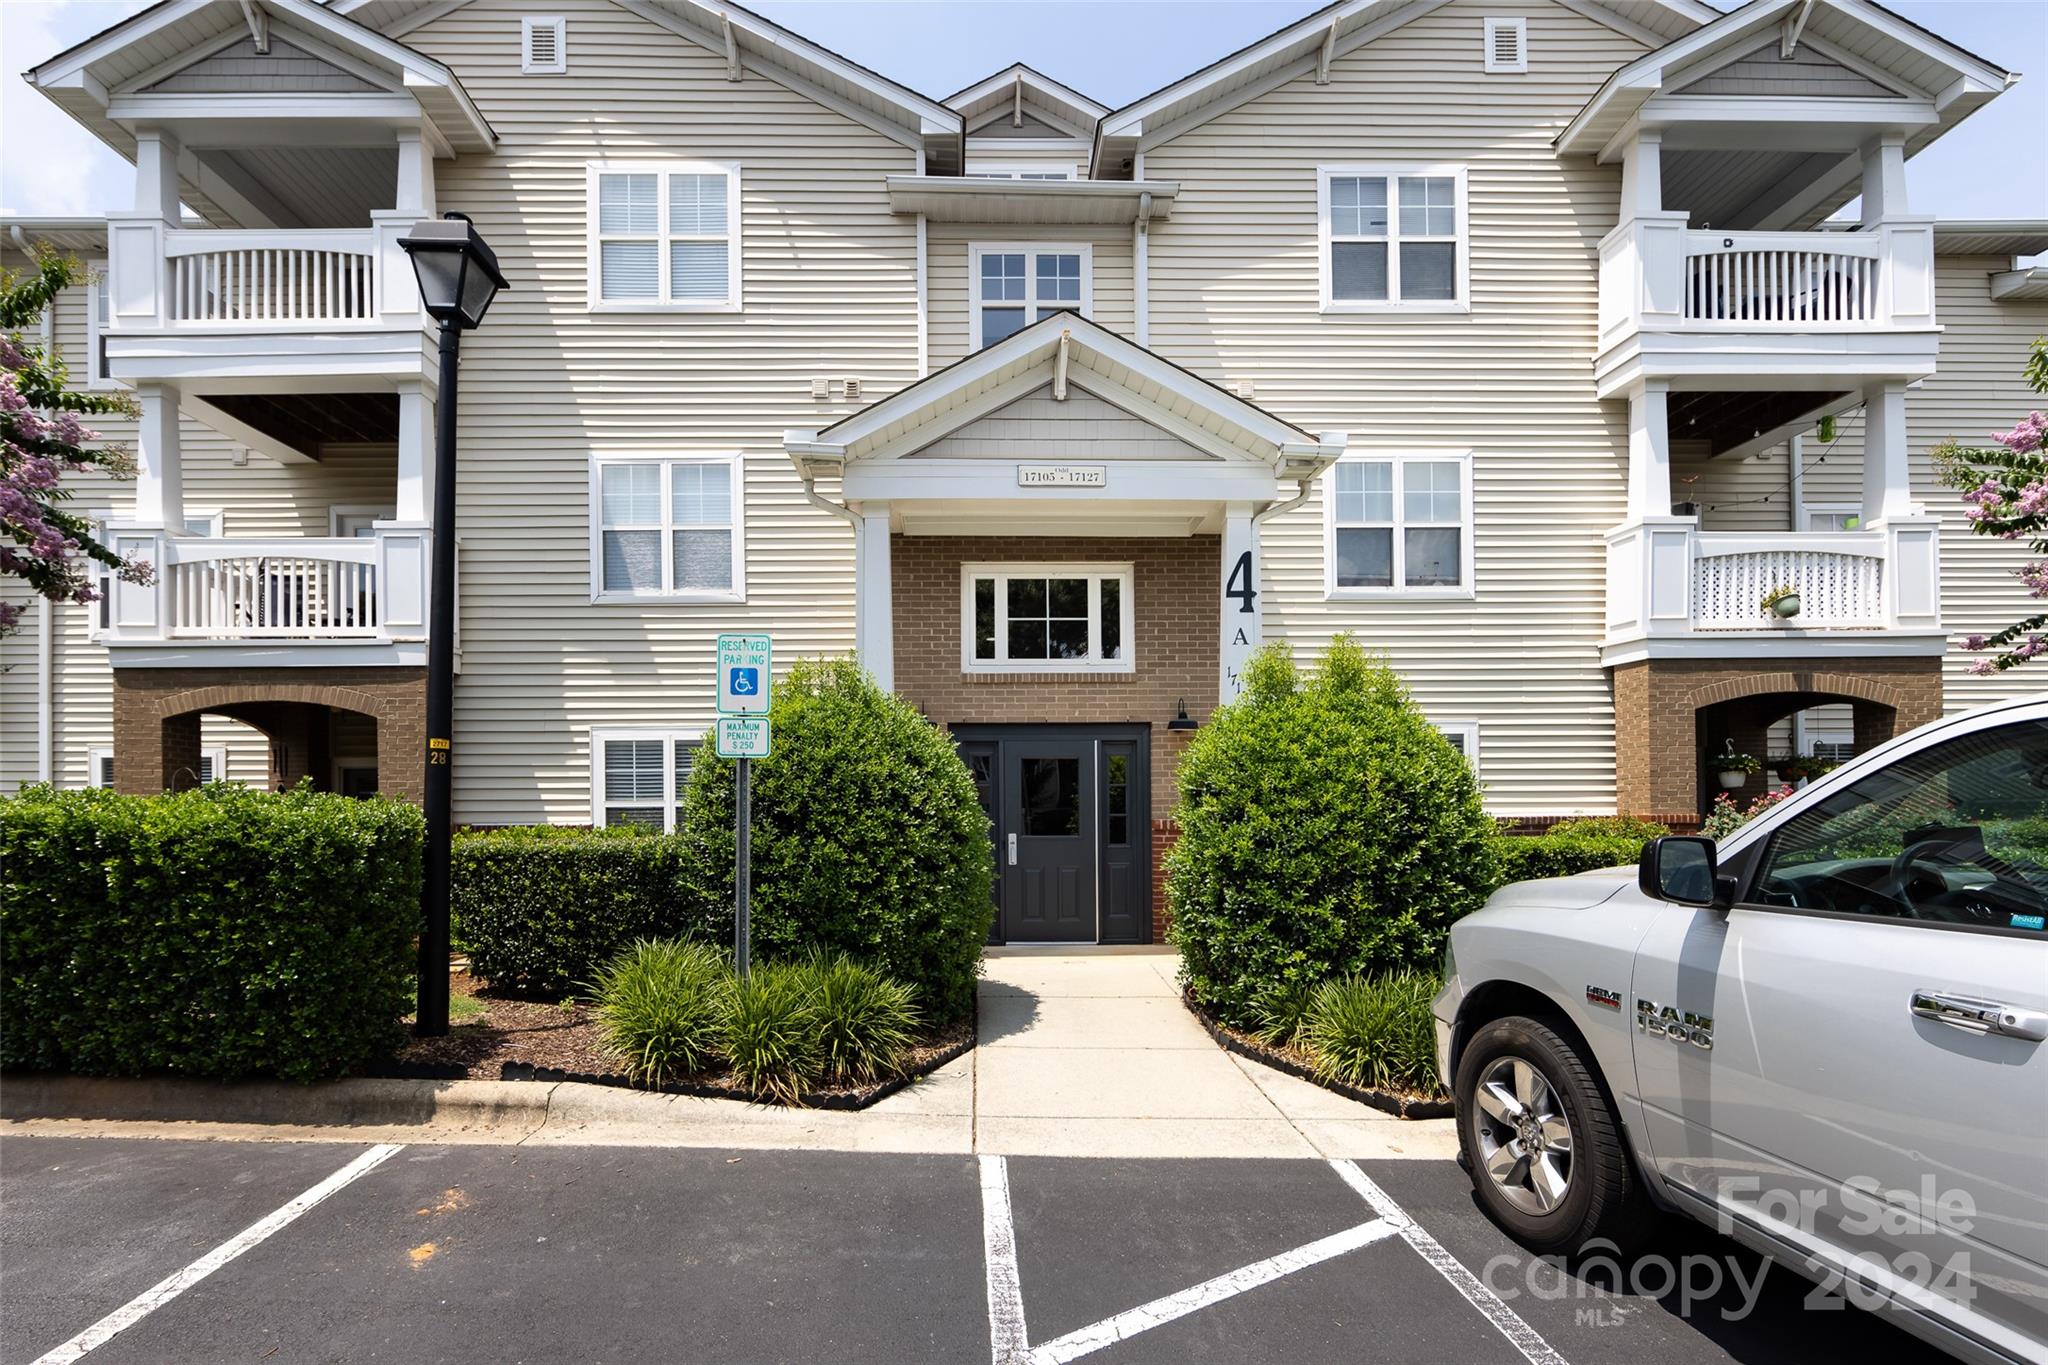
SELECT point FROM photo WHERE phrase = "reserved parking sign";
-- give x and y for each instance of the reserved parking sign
(744, 674)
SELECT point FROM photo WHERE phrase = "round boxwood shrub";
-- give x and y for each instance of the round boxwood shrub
(1326, 828)
(868, 839)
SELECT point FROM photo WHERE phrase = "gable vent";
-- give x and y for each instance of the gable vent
(542, 43)
(1507, 45)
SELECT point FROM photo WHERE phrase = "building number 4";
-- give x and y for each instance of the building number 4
(1239, 584)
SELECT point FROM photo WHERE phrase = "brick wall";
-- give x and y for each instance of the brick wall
(1670, 713)
(156, 720)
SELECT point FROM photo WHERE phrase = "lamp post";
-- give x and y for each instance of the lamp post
(458, 277)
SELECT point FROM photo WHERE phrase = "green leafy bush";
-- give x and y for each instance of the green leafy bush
(1609, 827)
(771, 1034)
(220, 932)
(661, 1007)
(543, 909)
(1326, 828)
(1375, 1031)
(868, 839)
(864, 1020)
(1568, 848)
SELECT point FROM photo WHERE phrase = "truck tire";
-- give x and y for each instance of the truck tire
(1545, 1151)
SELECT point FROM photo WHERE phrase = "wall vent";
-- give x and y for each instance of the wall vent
(1507, 45)
(852, 389)
(543, 46)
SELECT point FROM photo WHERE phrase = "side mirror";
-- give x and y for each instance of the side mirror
(1682, 868)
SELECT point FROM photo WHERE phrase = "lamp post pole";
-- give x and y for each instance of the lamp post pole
(432, 1019)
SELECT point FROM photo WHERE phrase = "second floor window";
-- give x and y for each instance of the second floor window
(1393, 238)
(1400, 526)
(668, 528)
(1016, 285)
(664, 236)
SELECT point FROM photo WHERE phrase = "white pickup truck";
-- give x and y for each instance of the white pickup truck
(1827, 1037)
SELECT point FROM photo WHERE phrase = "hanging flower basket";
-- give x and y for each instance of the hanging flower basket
(1782, 602)
(1734, 769)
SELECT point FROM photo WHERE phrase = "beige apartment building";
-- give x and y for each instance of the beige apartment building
(1501, 334)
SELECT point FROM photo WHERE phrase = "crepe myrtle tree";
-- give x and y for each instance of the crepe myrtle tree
(42, 439)
(2006, 488)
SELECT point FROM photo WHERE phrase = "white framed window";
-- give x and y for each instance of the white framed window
(989, 170)
(1047, 618)
(1831, 516)
(664, 236)
(1398, 525)
(544, 45)
(94, 370)
(213, 765)
(1464, 737)
(1393, 238)
(1014, 284)
(1507, 45)
(637, 776)
(669, 527)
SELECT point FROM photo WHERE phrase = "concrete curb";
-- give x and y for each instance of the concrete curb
(339, 1104)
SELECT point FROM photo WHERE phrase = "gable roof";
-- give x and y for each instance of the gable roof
(1304, 45)
(1019, 88)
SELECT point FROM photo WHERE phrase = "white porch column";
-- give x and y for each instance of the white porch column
(159, 469)
(1884, 178)
(874, 621)
(1239, 571)
(416, 463)
(1887, 478)
(1642, 176)
(415, 192)
(1649, 451)
(156, 174)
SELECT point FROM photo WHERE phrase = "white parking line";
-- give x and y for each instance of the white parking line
(1007, 1340)
(155, 1297)
(1520, 1334)
(1161, 1311)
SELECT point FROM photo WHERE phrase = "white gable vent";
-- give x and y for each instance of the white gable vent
(543, 46)
(1507, 45)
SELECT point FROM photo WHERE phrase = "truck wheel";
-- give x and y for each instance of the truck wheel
(1542, 1144)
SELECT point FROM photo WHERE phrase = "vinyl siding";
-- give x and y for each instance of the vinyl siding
(1233, 280)
(830, 291)
(949, 290)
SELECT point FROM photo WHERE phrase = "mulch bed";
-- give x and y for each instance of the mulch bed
(1402, 1104)
(535, 1040)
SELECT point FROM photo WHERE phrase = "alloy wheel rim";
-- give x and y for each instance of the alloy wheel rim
(1525, 1140)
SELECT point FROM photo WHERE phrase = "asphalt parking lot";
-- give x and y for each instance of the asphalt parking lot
(612, 1254)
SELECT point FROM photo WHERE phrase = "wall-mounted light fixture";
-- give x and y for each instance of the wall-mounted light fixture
(1181, 721)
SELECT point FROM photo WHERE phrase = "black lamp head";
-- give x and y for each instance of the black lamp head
(457, 270)
(1181, 721)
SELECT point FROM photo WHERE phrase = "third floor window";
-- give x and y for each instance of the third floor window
(1015, 285)
(1393, 238)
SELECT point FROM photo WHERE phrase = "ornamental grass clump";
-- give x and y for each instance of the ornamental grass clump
(661, 1008)
(865, 1022)
(771, 1031)
(1375, 1031)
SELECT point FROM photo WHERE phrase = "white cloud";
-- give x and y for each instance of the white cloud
(52, 166)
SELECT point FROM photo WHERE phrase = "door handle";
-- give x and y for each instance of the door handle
(1983, 1016)
(1013, 850)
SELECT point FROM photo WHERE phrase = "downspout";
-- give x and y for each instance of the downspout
(1300, 496)
(837, 509)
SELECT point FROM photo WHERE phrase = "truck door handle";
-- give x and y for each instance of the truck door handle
(1982, 1016)
(1013, 850)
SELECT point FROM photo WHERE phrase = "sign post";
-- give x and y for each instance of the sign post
(745, 679)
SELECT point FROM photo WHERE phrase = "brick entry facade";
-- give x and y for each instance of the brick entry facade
(1177, 614)
(1670, 713)
(157, 710)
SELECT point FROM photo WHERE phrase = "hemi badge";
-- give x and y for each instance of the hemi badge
(1600, 995)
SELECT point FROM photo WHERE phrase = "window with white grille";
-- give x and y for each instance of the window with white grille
(666, 527)
(1399, 525)
(1464, 737)
(213, 766)
(638, 776)
(1507, 45)
(543, 46)
(664, 236)
(1393, 238)
(1015, 285)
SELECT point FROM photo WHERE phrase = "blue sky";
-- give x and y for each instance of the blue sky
(1994, 166)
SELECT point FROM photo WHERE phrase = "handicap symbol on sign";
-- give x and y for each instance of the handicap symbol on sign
(746, 682)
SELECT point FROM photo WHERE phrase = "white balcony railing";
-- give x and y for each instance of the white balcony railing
(1780, 279)
(282, 588)
(233, 277)
(1666, 577)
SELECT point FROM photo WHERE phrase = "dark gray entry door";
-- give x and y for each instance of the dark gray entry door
(1048, 858)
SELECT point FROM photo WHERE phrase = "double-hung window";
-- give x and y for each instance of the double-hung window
(1014, 285)
(1399, 525)
(1393, 238)
(98, 310)
(668, 528)
(213, 766)
(638, 776)
(1046, 618)
(664, 236)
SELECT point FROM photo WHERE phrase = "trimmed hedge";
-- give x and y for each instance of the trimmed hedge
(1327, 828)
(221, 932)
(541, 909)
(1573, 846)
(868, 839)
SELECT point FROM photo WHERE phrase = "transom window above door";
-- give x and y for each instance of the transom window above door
(1399, 526)
(1015, 285)
(1046, 618)
(1393, 238)
(664, 236)
(667, 528)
